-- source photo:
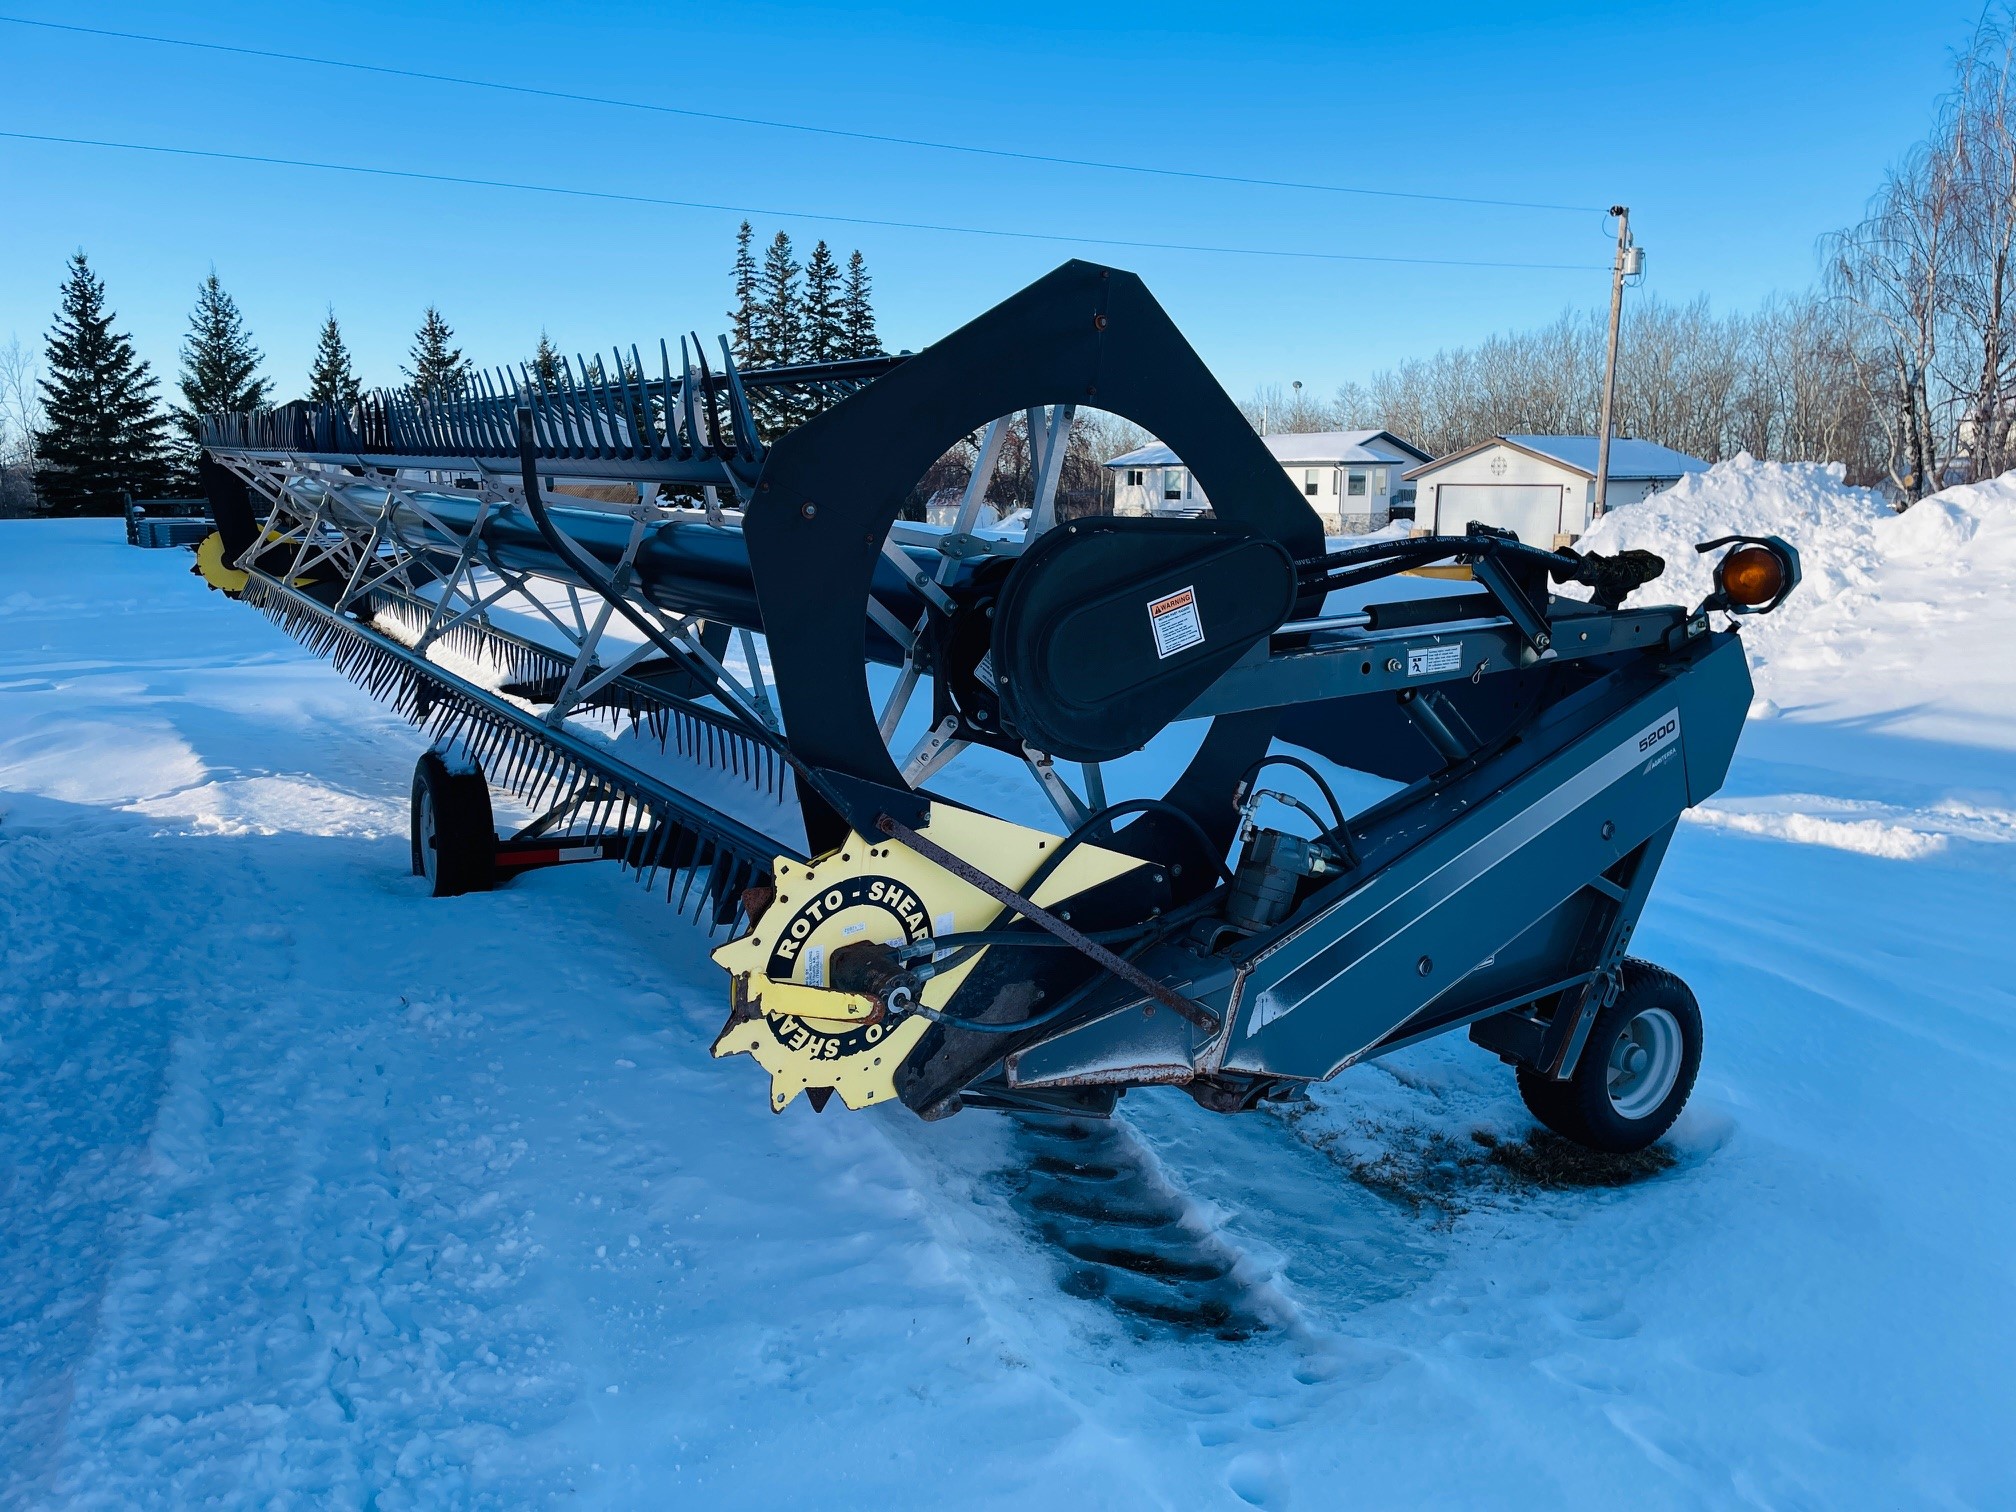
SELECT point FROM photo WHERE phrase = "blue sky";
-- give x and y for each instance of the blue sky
(1737, 133)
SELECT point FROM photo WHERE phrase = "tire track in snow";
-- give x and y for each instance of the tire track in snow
(313, 1294)
(84, 1045)
(1126, 1238)
(1266, 1253)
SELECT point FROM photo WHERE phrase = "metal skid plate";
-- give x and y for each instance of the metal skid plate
(1127, 1040)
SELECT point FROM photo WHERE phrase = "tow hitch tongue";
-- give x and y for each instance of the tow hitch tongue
(743, 596)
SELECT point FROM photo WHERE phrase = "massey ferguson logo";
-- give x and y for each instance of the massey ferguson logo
(1667, 728)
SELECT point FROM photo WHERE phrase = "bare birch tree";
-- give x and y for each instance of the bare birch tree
(1926, 276)
(1778, 382)
(20, 418)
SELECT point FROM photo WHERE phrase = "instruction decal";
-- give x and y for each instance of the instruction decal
(1423, 660)
(1174, 620)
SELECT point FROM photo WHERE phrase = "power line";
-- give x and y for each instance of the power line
(799, 126)
(760, 210)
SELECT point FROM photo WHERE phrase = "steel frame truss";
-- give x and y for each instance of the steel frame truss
(1049, 431)
(382, 559)
(433, 600)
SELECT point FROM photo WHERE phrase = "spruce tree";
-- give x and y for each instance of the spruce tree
(822, 321)
(743, 320)
(857, 314)
(594, 373)
(436, 367)
(545, 363)
(778, 333)
(219, 362)
(106, 431)
(332, 379)
(778, 338)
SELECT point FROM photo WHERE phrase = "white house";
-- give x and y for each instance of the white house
(1539, 486)
(1350, 478)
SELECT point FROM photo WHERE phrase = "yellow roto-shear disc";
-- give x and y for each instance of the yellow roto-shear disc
(810, 1037)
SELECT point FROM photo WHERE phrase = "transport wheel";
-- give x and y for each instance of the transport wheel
(1636, 1069)
(454, 838)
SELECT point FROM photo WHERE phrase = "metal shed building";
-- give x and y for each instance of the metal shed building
(1540, 486)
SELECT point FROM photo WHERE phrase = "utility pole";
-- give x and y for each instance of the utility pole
(1630, 259)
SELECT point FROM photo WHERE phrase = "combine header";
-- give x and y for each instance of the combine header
(733, 667)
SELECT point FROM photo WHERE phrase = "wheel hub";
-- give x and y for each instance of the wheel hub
(430, 855)
(1645, 1063)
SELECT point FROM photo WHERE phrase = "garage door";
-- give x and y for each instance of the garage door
(1531, 509)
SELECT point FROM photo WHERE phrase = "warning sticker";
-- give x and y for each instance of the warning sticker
(1422, 660)
(1174, 620)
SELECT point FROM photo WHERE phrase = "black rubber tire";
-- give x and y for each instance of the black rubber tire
(454, 837)
(1581, 1108)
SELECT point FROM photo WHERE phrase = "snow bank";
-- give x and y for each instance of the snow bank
(1808, 503)
(1868, 837)
(1833, 526)
(1897, 613)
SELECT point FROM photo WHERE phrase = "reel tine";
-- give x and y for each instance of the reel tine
(720, 445)
(738, 407)
(689, 445)
(603, 409)
(703, 856)
(639, 426)
(667, 424)
(704, 865)
(602, 414)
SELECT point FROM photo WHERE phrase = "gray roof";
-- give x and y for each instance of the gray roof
(1628, 458)
(1298, 448)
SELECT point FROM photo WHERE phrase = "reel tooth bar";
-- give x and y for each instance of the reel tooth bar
(708, 862)
(606, 418)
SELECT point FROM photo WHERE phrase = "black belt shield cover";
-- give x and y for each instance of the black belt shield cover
(1108, 628)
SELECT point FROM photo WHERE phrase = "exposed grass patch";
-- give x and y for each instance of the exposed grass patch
(1545, 1160)
(1444, 1174)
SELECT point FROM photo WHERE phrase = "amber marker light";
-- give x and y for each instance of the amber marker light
(1755, 577)
(1751, 575)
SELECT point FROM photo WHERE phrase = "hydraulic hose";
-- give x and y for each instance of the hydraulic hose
(1282, 759)
(1430, 548)
(1613, 577)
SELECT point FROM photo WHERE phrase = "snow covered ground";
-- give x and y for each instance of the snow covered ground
(317, 1192)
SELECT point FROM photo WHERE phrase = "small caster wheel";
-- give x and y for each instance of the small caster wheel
(1636, 1069)
(454, 838)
